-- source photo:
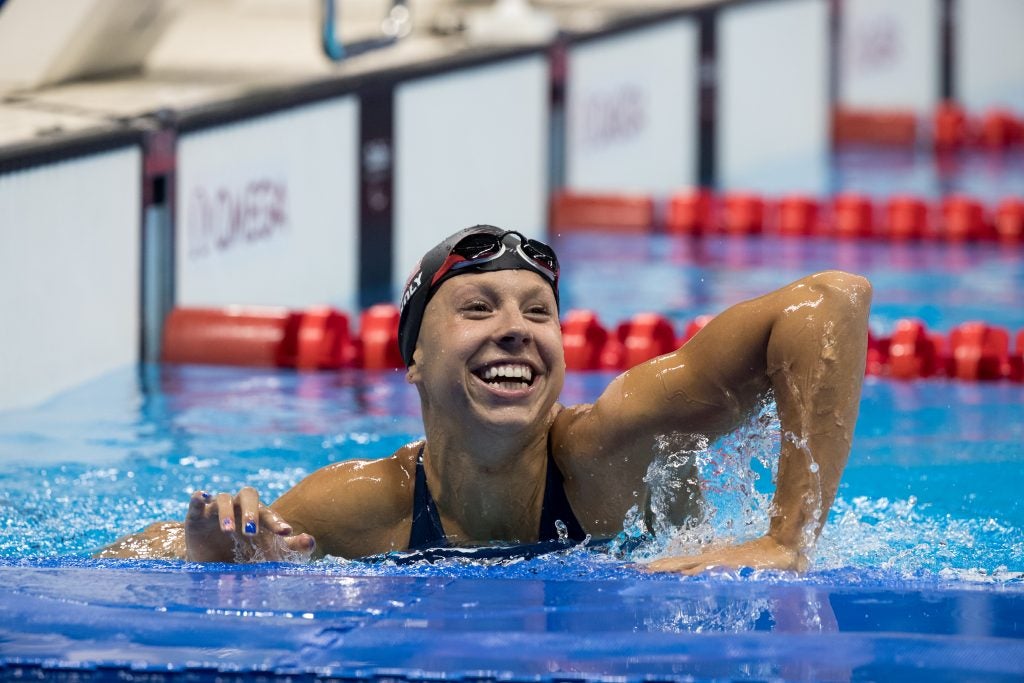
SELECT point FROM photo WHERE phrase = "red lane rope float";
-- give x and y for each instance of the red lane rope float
(797, 216)
(1009, 221)
(871, 127)
(848, 215)
(742, 213)
(964, 220)
(583, 338)
(906, 218)
(853, 216)
(378, 332)
(320, 339)
(690, 213)
(317, 338)
(949, 129)
(576, 211)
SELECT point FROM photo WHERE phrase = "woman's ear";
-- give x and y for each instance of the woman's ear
(412, 373)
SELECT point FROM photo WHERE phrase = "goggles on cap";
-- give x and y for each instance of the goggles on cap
(480, 248)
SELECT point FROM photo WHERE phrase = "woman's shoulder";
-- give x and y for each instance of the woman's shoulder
(355, 494)
(379, 480)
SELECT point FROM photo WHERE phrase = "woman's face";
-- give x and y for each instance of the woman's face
(490, 351)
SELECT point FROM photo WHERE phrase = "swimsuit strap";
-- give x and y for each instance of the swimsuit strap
(427, 531)
(556, 507)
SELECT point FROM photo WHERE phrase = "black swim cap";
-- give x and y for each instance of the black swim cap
(479, 249)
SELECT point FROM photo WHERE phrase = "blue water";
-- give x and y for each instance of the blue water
(943, 285)
(919, 573)
(936, 463)
(989, 176)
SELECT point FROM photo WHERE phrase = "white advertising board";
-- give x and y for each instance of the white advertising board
(267, 210)
(989, 54)
(69, 273)
(773, 124)
(890, 54)
(471, 146)
(631, 110)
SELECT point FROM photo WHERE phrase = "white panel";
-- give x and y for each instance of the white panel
(773, 118)
(989, 54)
(631, 107)
(470, 147)
(69, 263)
(267, 210)
(890, 54)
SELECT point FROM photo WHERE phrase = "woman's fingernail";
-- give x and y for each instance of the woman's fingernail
(229, 524)
(250, 527)
(205, 495)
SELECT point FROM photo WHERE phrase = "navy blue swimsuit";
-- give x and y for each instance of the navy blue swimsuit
(427, 531)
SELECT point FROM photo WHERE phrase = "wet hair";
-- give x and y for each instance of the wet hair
(420, 287)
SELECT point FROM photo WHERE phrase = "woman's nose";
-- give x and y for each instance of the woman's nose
(514, 329)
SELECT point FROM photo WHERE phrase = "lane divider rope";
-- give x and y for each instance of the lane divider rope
(323, 338)
(849, 215)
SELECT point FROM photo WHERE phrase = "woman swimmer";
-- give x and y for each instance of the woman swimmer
(504, 461)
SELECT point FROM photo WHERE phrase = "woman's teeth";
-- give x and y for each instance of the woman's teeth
(509, 376)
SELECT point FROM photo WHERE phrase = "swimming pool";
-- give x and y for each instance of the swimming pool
(919, 573)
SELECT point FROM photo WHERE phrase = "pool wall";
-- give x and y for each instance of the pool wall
(316, 185)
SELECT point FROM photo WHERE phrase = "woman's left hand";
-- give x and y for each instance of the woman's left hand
(761, 553)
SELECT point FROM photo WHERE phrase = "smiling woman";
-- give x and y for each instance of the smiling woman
(504, 461)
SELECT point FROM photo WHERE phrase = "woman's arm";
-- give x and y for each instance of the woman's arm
(158, 541)
(806, 343)
(349, 509)
(222, 528)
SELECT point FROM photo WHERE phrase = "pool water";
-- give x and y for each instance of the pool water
(932, 487)
(919, 573)
(941, 284)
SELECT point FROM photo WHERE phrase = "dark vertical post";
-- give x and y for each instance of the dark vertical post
(376, 194)
(947, 47)
(707, 96)
(158, 239)
(835, 57)
(558, 60)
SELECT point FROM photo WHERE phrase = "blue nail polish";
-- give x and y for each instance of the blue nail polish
(205, 495)
(250, 527)
(228, 524)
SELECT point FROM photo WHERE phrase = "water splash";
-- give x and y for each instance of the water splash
(737, 476)
(902, 536)
(729, 483)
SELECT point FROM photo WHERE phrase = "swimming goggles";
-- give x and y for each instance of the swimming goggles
(483, 247)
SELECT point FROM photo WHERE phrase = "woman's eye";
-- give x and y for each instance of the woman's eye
(476, 307)
(539, 310)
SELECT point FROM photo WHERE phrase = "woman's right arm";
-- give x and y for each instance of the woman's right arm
(354, 508)
(222, 528)
(158, 541)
